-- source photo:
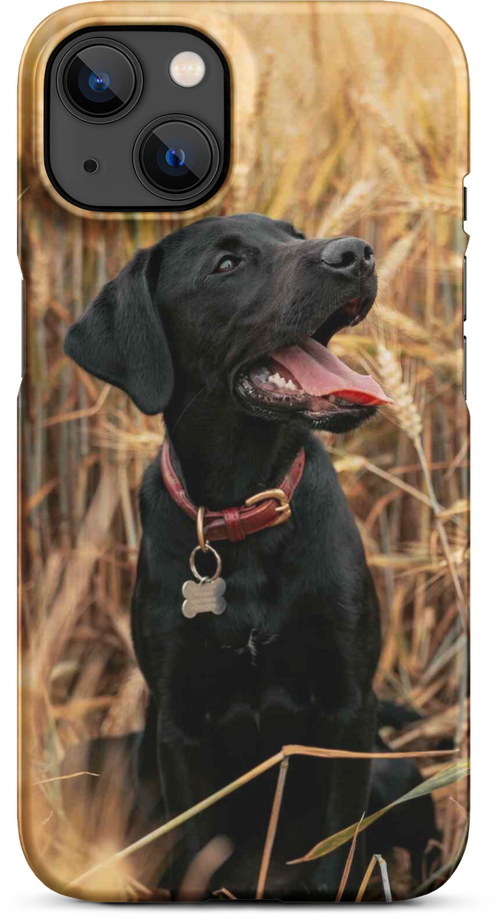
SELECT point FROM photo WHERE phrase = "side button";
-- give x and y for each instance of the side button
(467, 217)
(466, 360)
(466, 327)
(20, 327)
(23, 330)
(467, 225)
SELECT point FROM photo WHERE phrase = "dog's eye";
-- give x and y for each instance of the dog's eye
(227, 264)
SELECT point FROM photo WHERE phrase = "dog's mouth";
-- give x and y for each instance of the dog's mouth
(307, 378)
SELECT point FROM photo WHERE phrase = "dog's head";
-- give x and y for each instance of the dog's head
(243, 306)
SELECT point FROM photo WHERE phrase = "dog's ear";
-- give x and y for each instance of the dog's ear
(120, 338)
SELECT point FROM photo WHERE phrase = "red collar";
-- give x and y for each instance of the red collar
(262, 511)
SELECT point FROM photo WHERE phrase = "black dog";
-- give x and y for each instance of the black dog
(220, 327)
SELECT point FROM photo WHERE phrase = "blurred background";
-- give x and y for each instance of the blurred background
(351, 119)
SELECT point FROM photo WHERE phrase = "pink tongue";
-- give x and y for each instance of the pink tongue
(319, 372)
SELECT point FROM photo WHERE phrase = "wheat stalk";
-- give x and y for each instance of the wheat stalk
(400, 322)
(410, 420)
(404, 407)
(398, 254)
(348, 211)
(396, 137)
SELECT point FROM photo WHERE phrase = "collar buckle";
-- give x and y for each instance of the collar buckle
(283, 511)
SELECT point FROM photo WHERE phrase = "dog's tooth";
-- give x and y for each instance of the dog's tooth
(290, 385)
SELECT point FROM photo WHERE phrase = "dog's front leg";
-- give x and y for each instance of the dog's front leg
(174, 748)
(186, 779)
(347, 801)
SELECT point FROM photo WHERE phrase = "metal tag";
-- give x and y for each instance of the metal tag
(206, 595)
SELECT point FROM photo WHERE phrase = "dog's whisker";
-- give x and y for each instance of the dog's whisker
(193, 399)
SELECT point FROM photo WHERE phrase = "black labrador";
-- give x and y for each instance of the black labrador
(222, 327)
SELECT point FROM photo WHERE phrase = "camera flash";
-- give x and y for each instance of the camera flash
(187, 68)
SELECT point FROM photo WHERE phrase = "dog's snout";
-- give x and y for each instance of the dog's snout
(349, 256)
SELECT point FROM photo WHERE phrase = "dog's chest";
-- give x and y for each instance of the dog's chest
(271, 617)
(252, 648)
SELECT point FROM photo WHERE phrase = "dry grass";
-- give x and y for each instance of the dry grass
(385, 165)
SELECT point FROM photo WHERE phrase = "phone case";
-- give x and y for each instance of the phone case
(148, 771)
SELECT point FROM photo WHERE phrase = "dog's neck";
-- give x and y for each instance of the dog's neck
(224, 456)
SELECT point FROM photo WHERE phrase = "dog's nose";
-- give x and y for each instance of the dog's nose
(349, 256)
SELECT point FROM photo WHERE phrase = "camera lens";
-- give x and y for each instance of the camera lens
(99, 81)
(176, 156)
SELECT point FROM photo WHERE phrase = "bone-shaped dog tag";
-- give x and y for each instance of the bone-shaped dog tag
(203, 596)
(207, 593)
